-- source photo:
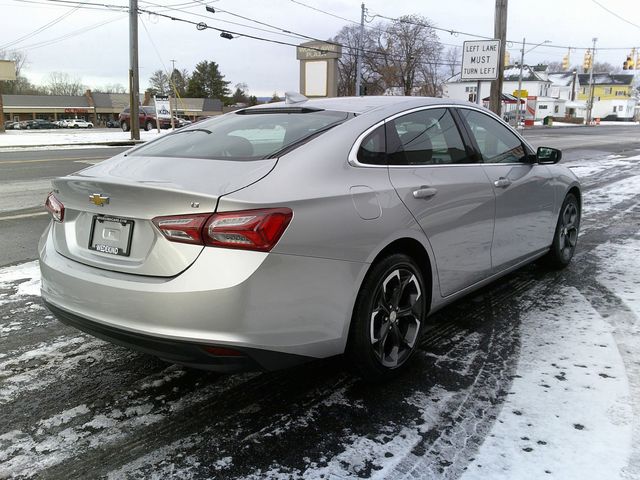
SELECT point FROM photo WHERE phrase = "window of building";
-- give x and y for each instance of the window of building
(620, 93)
(543, 107)
(614, 109)
(608, 90)
(583, 90)
(556, 109)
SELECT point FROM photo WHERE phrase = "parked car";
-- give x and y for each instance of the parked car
(147, 119)
(78, 123)
(303, 229)
(9, 125)
(113, 124)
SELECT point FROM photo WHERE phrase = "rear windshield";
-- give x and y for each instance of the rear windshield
(243, 136)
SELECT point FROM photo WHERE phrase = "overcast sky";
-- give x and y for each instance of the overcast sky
(100, 55)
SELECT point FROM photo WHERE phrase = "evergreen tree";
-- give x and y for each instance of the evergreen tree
(207, 81)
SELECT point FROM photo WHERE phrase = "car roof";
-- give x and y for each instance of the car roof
(360, 105)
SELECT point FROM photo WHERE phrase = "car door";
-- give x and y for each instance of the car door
(524, 192)
(448, 193)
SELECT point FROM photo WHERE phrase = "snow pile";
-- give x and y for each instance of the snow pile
(23, 278)
(14, 138)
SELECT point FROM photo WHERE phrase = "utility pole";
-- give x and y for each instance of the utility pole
(591, 89)
(500, 33)
(173, 87)
(134, 80)
(360, 52)
(520, 84)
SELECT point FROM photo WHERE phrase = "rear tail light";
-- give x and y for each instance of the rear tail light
(257, 230)
(223, 352)
(182, 228)
(54, 207)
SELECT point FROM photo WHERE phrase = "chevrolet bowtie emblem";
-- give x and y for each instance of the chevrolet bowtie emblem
(98, 199)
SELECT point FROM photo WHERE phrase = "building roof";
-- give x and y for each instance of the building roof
(607, 78)
(561, 79)
(46, 101)
(112, 100)
(529, 74)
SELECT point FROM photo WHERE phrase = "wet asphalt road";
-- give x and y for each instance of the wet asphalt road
(82, 408)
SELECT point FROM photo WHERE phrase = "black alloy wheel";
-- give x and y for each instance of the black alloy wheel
(565, 239)
(388, 317)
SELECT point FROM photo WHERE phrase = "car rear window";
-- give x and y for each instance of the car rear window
(252, 135)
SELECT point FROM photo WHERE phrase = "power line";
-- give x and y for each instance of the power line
(46, 43)
(39, 30)
(615, 14)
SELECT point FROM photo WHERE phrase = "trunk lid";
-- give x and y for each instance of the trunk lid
(119, 234)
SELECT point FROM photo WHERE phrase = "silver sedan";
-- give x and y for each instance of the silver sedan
(304, 229)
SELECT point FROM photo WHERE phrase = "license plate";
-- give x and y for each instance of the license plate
(111, 235)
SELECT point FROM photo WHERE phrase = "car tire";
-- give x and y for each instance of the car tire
(89, 126)
(565, 238)
(389, 312)
(124, 126)
(148, 126)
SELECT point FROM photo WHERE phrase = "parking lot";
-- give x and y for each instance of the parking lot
(534, 376)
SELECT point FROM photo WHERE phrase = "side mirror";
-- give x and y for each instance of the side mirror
(548, 155)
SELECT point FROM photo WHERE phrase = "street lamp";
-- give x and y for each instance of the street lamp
(522, 53)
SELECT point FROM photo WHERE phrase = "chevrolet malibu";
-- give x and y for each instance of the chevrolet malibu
(300, 230)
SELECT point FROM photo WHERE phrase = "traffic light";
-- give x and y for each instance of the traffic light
(588, 59)
(630, 63)
(565, 62)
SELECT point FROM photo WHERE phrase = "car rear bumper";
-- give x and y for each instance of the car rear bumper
(248, 301)
(183, 353)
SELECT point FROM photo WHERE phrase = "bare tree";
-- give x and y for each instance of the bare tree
(60, 83)
(21, 85)
(406, 45)
(452, 60)
(159, 83)
(111, 88)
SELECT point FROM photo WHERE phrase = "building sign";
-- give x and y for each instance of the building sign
(7, 70)
(318, 51)
(163, 109)
(480, 60)
(76, 110)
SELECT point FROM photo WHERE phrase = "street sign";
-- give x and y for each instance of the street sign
(520, 93)
(480, 60)
(163, 109)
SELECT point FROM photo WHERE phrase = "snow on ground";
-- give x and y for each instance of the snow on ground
(33, 138)
(568, 414)
(28, 272)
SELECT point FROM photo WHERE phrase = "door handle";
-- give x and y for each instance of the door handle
(502, 182)
(425, 192)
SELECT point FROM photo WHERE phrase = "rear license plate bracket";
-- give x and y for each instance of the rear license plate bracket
(111, 235)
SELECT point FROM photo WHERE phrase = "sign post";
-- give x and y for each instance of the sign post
(163, 109)
(480, 61)
(7, 72)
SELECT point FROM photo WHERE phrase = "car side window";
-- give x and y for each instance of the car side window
(427, 137)
(373, 149)
(495, 142)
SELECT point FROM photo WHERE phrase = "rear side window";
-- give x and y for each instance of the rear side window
(426, 137)
(243, 136)
(373, 149)
(496, 143)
